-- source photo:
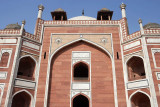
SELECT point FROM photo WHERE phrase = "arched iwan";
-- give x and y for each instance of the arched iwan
(92, 44)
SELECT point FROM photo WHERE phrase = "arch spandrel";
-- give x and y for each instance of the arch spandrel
(83, 40)
(101, 40)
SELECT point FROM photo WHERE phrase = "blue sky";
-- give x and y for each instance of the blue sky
(13, 11)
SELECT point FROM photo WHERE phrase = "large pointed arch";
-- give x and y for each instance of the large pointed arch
(51, 55)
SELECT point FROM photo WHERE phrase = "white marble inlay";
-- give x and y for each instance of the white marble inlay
(83, 60)
(24, 83)
(80, 86)
(132, 45)
(3, 75)
(8, 40)
(30, 45)
(81, 54)
(156, 40)
(138, 84)
(158, 75)
(74, 93)
(82, 18)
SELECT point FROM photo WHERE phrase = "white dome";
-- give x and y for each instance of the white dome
(82, 18)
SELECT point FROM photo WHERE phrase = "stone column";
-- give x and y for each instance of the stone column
(40, 10)
(123, 9)
(141, 26)
(22, 26)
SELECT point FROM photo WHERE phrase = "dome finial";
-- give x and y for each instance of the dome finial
(83, 12)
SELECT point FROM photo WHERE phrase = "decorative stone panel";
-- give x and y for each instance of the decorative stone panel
(139, 53)
(8, 40)
(131, 45)
(31, 45)
(158, 75)
(153, 40)
(80, 86)
(3, 75)
(22, 83)
(138, 84)
(60, 40)
(81, 56)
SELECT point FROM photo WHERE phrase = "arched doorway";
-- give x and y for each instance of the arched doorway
(135, 68)
(81, 71)
(21, 99)
(26, 68)
(140, 100)
(80, 101)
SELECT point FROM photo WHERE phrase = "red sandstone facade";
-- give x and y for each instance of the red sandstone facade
(80, 62)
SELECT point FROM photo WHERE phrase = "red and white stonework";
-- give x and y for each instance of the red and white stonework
(80, 62)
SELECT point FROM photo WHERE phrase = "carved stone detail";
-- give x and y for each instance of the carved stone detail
(58, 40)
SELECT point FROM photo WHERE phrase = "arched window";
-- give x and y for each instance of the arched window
(4, 59)
(81, 71)
(26, 68)
(140, 100)
(135, 68)
(80, 101)
(21, 99)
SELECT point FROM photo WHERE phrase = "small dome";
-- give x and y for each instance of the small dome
(151, 25)
(13, 26)
(59, 10)
(82, 18)
(104, 9)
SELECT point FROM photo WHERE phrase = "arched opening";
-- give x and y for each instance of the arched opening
(135, 68)
(21, 99)
(80, 101)
(81, 71)
(140, 100)
(4, 59)
(26, 68)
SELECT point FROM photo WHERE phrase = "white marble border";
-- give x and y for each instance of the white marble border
(3, 74)
(9, 50)
(159, 87)
(81, 59)
(154, 50)
(1, 91)
(147, 64)
(158, 75)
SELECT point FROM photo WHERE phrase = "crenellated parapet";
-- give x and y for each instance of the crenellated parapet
(9, 31)
(152, 31)
(31, 36)
(83, 22)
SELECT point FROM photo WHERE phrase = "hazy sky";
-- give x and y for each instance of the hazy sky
(13, 11)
